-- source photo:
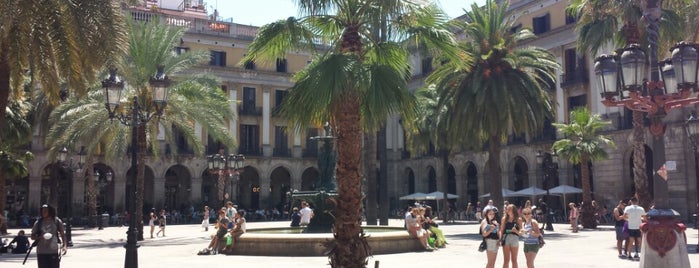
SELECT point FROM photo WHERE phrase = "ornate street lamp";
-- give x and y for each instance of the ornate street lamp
(549, 165)
(113, 88)
(73, 168)
(692, 128)
(622, 82)
(226, 167)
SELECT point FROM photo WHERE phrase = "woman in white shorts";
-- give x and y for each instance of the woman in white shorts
(489, 230)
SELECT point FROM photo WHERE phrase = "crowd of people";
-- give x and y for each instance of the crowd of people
(420, 224)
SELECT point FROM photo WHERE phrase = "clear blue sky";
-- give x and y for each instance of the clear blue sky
(261, 12)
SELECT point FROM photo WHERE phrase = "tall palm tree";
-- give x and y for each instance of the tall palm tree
(358, 80)
(193, 99)
(600, 22)
(501, 92)
(56, 41)
(430, 127)
(583, 144)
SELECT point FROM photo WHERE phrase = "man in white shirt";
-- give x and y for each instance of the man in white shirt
(634, 216)
(306, 214)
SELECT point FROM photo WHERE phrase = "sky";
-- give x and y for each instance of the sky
(261, 12)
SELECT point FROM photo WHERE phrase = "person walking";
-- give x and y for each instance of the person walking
(547, 220)
(489, 230)
(151, 223)
(479, 211)
(619, 222)
(634, 216)
(531, 234)
(45, 232)
(573, 217)
(205, 220)
(162, 221)
(509, 235)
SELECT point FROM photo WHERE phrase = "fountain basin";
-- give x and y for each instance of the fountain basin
(291, 242)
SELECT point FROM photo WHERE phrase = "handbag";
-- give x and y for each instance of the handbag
(483, 246)
(541, 241)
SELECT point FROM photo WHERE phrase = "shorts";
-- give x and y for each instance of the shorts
(634, 233)
(531, 248)
(418, 233)
(492, 245)
(511, 240)
(619, 232)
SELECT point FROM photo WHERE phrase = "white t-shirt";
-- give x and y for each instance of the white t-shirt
(306, 213)
(635, 214)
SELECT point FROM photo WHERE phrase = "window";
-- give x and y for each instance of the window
(516, 28)
(249, 140)
(249, 65)
(570, 19)
(426, 65)
(281, 65)
(279, 96)
(249, 106)
(542, 24)
(570, 65)
(311, 144)
(218, 58)
(281, 141)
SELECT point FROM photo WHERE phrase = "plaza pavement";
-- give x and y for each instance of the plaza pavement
(104, 248)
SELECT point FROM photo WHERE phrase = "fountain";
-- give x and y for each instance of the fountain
(310, 240)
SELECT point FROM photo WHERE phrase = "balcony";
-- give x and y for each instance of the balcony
(574, 78)
(250, 110)
(310, 153)
(281, 152)
(193, 23)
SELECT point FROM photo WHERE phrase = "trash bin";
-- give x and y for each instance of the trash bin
(105, 219)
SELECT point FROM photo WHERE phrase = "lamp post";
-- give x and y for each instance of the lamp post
(656, 98)
(692, 129)
(549, 165)
(113, 88)
(226, 167)
(68, 165)
(101, 183)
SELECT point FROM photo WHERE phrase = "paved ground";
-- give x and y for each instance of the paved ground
(104, 248)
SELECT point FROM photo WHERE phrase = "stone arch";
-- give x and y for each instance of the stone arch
(471, 182)
(248, 189)
(431, 179)
(148, 188)
(104, 189)
(177, 188)
(280, 184)
(451, 179)
(520, 174)
(409, 183)
(209, 189)
(309, 178)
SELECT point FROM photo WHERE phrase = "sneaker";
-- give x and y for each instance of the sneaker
(631, 258)
(623, 255)
(636, 257)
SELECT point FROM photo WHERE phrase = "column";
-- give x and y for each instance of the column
(34, 195)
(158, 192)
(195, 194)
(266, 111)
(233, 122)
(264, 192)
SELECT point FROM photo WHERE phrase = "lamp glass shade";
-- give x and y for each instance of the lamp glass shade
(633, 66)
(685, 59)
(606, 72)
(113, 87)
(62, 154)
(669, 76)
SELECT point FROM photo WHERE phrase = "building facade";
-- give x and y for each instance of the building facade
(280, 160)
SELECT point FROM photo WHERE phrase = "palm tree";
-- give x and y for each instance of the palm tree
(57, 41)
(599, 22)
(357, 81)
(193, 99)
(430, 127)
(499, 94)
(582, 145)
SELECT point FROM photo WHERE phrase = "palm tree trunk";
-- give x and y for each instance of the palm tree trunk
(587, 213)
(495, 180)
(369, 160)
(91, 192)
(350, 247)
(140, 176)
(639, 161)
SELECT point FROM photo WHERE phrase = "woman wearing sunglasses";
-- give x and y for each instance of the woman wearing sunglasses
(531, 234)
